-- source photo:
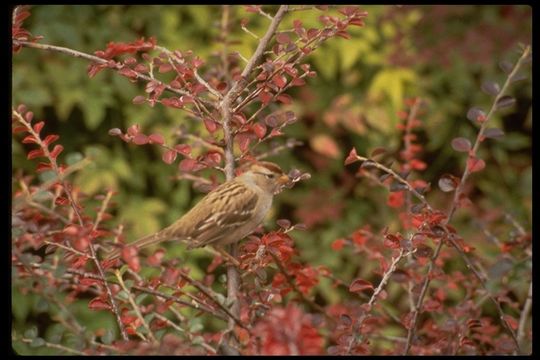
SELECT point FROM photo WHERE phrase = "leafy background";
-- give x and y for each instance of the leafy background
(440, 53)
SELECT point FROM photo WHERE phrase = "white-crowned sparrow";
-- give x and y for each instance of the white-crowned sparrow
(226, 214)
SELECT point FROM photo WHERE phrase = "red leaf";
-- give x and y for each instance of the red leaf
(417, 164)
(156, 257)
(406, 320)
(30, 139)
(243, 140)
(338, 244)
(128, 252)
(396, 199)
(18, 129)
(284, 99)
(475, 164)
(183, 149)
(39, 126)
(165, 68)
(81, 243)
(279, 80)
(156, 139)
(129, 73)
(172, 102)
(392, 241)
(298, 82)
(138, 99)
(213, 158)
(169, 156)
(259, 130)
(360, 285)
(265, 97)
(275, 132)
(34, 154)
(43, 167)
(431, 305)
(98, 304)
(61, 201)
(283, 38)
(50, 139)
(56, 151)
(187, 165)
(29, 116)
(352, 157)
(210, 125)
(197, 62)
(133, 130)
(343, 34)
(129, 255)
(511, 321)
(140, 139)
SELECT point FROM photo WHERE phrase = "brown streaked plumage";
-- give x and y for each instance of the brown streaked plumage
(226, 214)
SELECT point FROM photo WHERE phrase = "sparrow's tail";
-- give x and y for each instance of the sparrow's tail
(152, 239)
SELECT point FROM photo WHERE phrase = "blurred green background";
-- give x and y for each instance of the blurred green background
(439, 53)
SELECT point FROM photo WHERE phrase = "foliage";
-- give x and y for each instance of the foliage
(118, 136)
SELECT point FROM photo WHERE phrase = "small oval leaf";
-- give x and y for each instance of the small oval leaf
(475, 113)
(448, 183)
(493, 133)
(461, 144)
(505, 101)
(360, 285)
(491, 87)
(506, 66)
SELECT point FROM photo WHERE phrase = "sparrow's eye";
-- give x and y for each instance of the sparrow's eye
(270, 176)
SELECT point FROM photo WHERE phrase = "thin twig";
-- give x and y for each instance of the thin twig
(211, 295)
(312, 304)
(184, 332)
(371, 302)
(134, 306)
(53, 346)
(118, 66)
(371, 163)
(524, 316)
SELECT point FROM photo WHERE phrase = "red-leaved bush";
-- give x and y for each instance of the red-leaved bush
(267, 305)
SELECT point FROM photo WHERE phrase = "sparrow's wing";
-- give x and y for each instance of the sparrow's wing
(231, 206)
(222, 211)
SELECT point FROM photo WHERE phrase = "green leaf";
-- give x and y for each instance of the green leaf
(37, 342)
(73, 158)
(31, 333)
(94, 112)
(20, 305)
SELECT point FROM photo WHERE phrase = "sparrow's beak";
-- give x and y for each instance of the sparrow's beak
(283, 179)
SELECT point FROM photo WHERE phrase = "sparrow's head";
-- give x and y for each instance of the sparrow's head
(267, 176)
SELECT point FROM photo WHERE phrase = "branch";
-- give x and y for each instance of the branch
(233, 277)
(372, 163)
(53, 346)
(210, 294)
(135, 306)
(53, 162)
(455, 202)
(117, 66)
(312, 304)
(376, 293)
(524, 315)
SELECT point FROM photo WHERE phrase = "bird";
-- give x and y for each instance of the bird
(226, 214)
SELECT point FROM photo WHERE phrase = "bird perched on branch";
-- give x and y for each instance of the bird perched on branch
(226, 214)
